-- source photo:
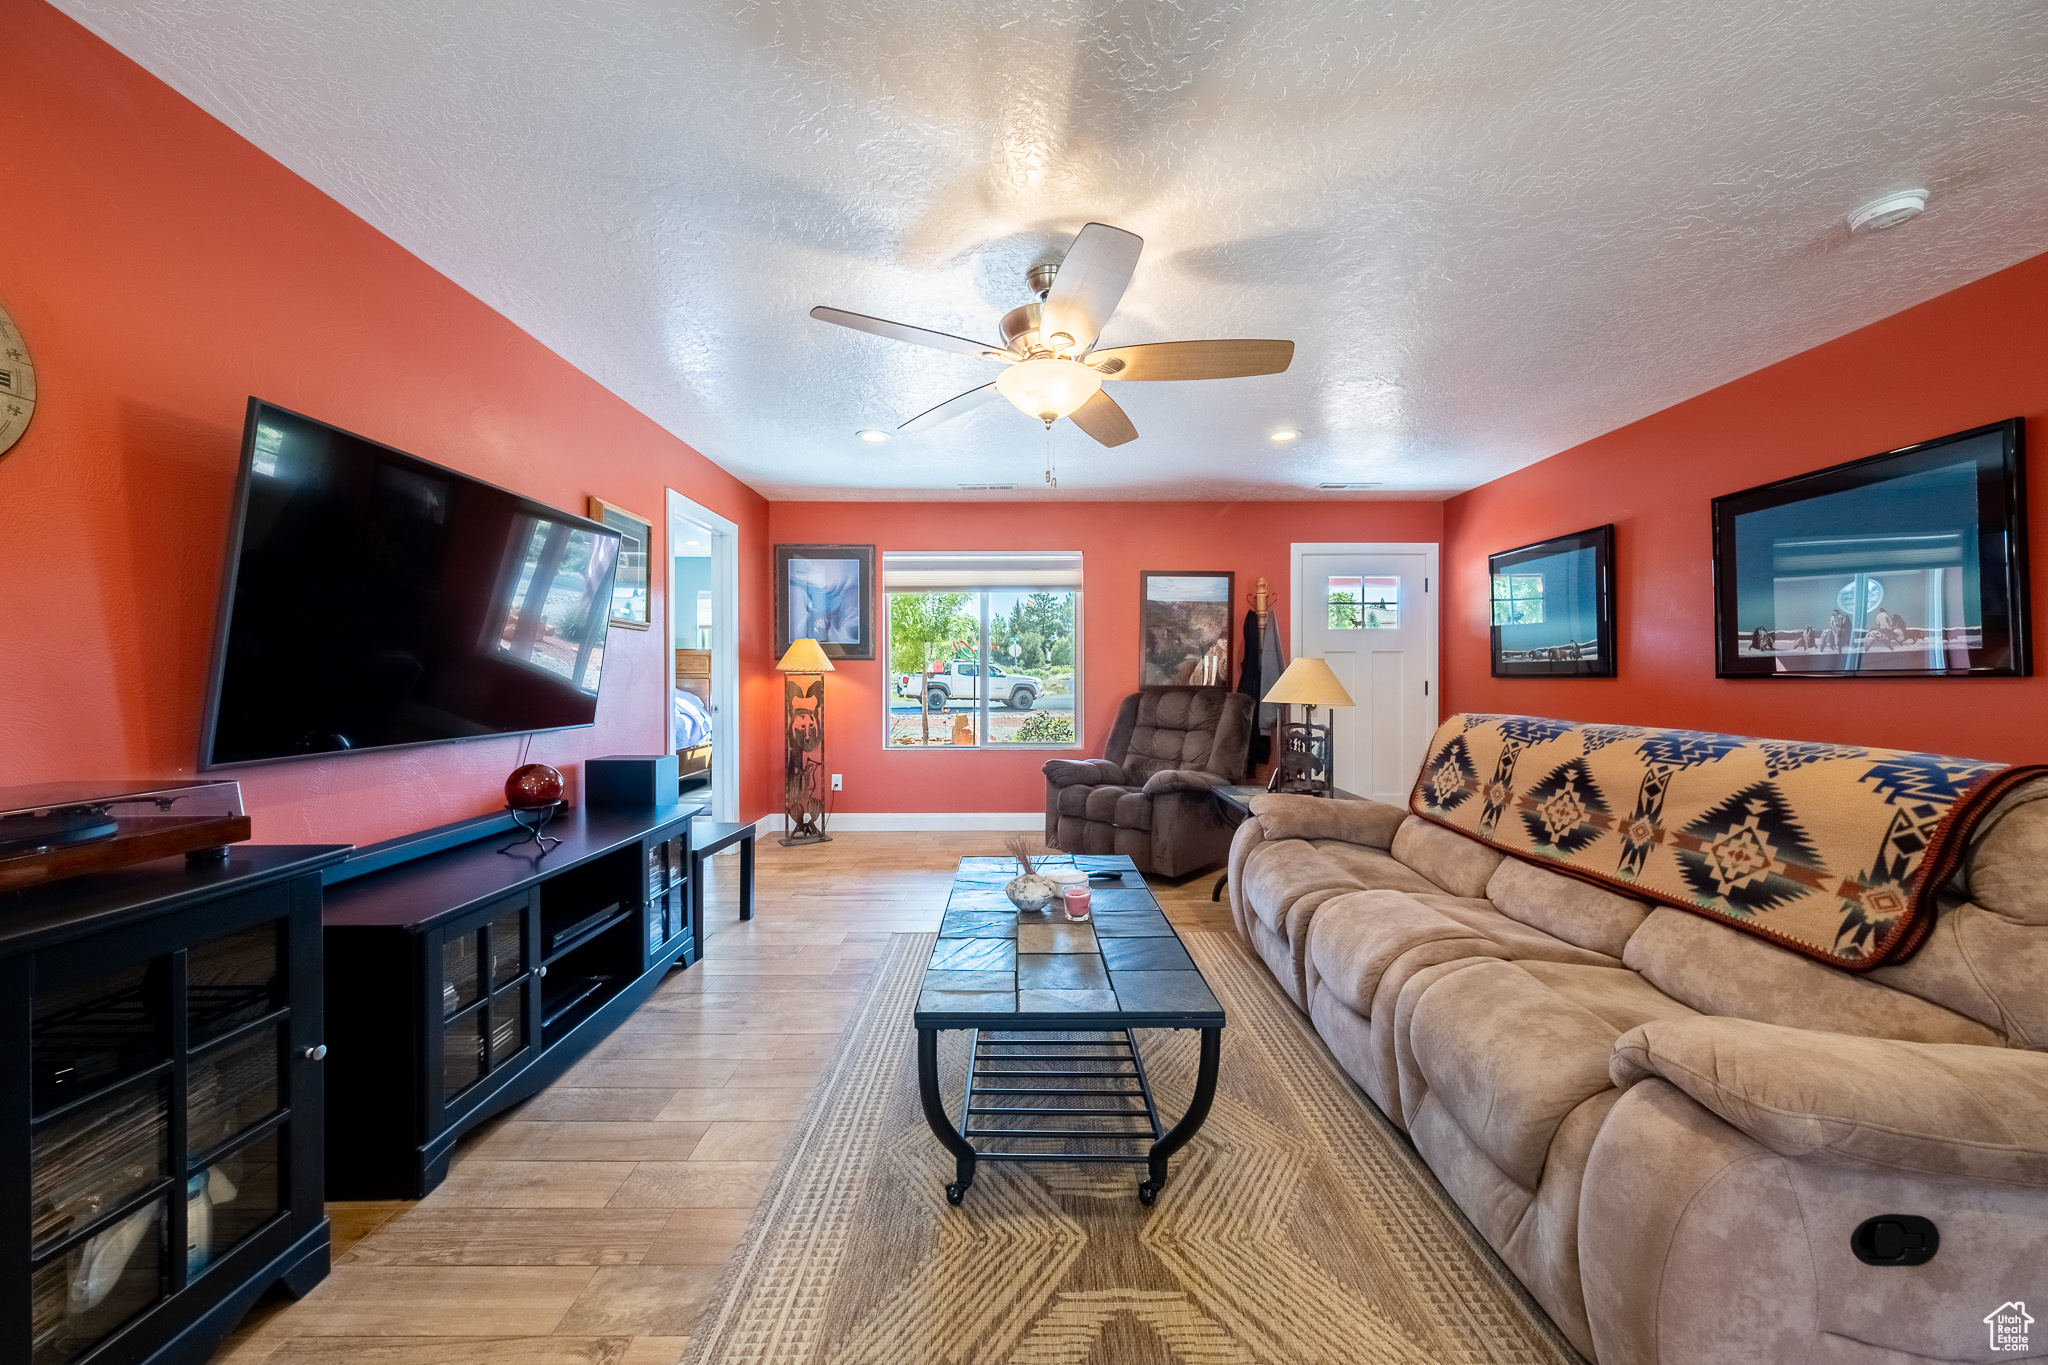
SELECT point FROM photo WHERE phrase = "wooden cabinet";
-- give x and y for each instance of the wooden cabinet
(161, 1119)
(465, 981)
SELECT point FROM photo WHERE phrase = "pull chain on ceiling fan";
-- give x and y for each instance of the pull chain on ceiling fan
(1053, 369)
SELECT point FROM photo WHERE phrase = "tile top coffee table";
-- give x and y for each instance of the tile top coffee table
(1054, 1006)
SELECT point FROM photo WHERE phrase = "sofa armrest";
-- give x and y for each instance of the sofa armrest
(1946, 1109)
(1367, 823)
(1083, 772)
(1182, 780)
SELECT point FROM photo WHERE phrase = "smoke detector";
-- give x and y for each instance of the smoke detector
(1889, 211)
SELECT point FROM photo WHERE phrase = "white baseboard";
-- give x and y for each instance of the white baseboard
(867, 822)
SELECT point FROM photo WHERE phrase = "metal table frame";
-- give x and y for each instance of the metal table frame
(1162, 1143)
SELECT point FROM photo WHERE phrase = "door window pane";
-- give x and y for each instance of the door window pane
(1364, 603)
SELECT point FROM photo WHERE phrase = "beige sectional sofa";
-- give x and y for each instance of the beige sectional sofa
(1670, 1130)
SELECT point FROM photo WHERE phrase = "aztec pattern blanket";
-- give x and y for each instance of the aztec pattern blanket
(1833, 851)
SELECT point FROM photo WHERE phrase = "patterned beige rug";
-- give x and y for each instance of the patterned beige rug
(1298, 1226)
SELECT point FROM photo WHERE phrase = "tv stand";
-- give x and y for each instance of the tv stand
(462, 979)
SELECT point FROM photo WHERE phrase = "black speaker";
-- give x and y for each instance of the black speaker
(630, 780)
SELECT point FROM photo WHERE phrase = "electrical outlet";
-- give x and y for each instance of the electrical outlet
(835, 782)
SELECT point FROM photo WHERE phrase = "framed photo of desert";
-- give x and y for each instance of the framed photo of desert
(826, 593)
(1912, 563)
(1184, 628)
(630, 599)
(1553, 607)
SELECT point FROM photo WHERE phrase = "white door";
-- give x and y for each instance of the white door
(1369, 611)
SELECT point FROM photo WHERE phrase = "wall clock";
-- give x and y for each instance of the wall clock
(17, 383)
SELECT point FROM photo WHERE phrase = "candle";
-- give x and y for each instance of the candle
(1076, 901)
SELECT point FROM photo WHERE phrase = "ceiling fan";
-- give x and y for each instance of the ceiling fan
(1054, 371)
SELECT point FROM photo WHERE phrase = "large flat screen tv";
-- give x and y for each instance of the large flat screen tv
(1910, 563)
(373, 599)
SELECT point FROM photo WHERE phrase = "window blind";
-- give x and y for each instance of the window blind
(917, 571)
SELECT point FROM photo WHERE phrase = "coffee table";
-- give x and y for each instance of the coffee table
(1053, 1008)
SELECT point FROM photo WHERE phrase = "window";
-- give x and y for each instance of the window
(1518, 599)
(983, 650)
(1364, 603)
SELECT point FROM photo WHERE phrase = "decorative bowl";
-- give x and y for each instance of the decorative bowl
(1031, 892)
(532, 787)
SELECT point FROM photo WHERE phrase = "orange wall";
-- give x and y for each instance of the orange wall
(1976, 355)
(163, 269)
(1117, 541)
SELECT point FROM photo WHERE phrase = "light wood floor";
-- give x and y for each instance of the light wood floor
(588, 1225)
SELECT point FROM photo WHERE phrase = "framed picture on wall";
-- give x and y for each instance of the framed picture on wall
(826, 593)
(1553, 607)
(1184, 628)
(1912, 563)
(631, 604)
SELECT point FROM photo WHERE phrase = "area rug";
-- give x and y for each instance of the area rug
(1297, 1227)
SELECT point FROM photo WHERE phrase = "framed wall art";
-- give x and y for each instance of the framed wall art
(1912, 563)
(631, 604)
(1184, 628)
(826, 593)
(1553, 607)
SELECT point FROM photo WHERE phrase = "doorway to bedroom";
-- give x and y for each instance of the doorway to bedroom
(703, 604)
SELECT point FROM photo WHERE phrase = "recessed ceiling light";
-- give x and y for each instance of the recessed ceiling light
(1284, 434)
(871, 436)
(1889, 211)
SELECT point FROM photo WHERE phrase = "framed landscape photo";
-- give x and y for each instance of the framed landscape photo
(1553, 607)
(1184, 628)
(631, 606)
(826, 593)
(1912, 563)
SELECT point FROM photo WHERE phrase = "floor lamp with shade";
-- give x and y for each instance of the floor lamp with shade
(803, 670)
(1307, 749)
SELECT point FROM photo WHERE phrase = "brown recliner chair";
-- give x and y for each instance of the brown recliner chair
(1152, 798)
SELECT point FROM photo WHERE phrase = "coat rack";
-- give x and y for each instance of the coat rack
(1262, 602)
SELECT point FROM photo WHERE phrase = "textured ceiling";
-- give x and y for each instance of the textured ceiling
(1494, 227)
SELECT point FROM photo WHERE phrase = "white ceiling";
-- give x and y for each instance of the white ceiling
(1495, 228)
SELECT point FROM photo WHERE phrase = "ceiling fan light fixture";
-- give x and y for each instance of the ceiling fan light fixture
(1047, 387)
(871, 436)
(1284, 435)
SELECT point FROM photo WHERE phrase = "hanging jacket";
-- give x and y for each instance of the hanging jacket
(1249, 682)
(1272, 663)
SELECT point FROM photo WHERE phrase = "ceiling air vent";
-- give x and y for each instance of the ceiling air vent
(1345, 487)
(986, 487)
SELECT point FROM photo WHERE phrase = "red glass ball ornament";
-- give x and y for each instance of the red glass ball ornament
(532, 787)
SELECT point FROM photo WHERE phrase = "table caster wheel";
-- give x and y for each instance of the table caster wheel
(1147, 1192)
(955, 1193)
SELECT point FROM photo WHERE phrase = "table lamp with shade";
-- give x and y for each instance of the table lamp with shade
(1306, 748)
(803, 670)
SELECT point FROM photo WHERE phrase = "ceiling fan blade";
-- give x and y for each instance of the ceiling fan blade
(1195, 359)
(1101, 418)
(951, 408)
(1090, 283)
(903, 331)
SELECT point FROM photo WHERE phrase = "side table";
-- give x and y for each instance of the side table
(707, 839)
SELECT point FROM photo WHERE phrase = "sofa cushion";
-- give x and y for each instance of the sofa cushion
(1718, 971)
(1100, 803)
(1508, 1058)
(1357, 936)
(1276, 875)
(1188, 727)
(1374, 870)
(1074, 801)
(2005, 864)
(1518, 941)
(1459, 865)
(1983, 965)
(1565, 907)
